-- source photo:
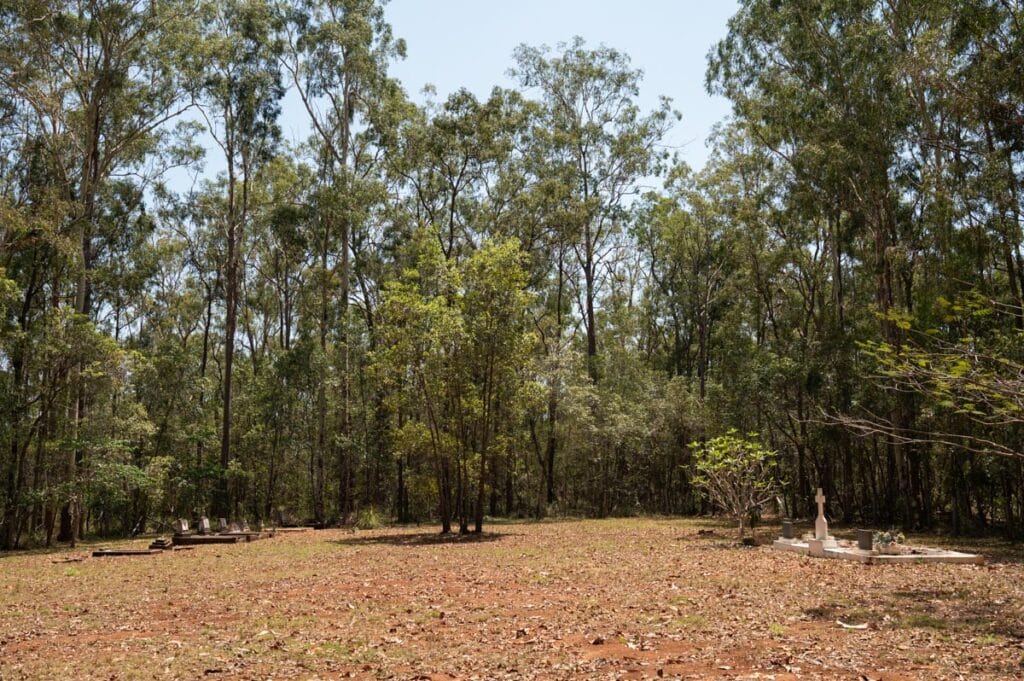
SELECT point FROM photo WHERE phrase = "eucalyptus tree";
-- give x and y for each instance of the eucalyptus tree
(97, 84)
(448, 155)
(597, 142)
(337, 54)
(891, 119)
(242, 87)
(816, 85)
(494, 306)
(455, 341)
(277, 334)
(589, 148)
(420, 332)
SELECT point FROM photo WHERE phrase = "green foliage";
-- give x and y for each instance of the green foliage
(369, 519)
(738, 474)
(470, 307)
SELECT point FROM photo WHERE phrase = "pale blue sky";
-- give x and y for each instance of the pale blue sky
(469, 43)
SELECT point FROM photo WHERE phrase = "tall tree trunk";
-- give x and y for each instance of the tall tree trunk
(589, 319)
(485, 439)
(222, 501)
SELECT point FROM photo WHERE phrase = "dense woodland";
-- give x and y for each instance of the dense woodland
(522, 305)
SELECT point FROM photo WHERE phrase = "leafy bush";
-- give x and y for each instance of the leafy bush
(369, 519)
(737, 474)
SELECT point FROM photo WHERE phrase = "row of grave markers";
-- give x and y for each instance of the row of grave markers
(181, 527)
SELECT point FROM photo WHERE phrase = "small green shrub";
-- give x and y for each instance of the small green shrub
(369, 519)
(737, 474)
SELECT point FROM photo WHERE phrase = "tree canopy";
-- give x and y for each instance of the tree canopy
(515, 305)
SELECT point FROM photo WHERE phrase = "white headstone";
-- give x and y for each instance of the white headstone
(204, 525)
(820, 524)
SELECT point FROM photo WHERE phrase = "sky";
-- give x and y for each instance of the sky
(469, 43)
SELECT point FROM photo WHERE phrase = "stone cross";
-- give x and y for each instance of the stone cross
(820, 524)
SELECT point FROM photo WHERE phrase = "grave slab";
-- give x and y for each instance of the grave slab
(849, 551)
(196, 539)
(103, 553)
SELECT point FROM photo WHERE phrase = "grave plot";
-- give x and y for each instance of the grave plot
(243, 530)
(228, 534)
(199, 539)
(865, 550)
(103, 553)
(183, 536)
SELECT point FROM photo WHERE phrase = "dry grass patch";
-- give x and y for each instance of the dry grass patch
(593, 599)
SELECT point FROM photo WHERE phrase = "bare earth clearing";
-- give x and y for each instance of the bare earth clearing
(595, 599)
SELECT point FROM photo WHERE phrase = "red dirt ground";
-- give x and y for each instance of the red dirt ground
(629, 599)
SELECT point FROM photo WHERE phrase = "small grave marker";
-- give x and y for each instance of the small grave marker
(787, 529)
(865, 540)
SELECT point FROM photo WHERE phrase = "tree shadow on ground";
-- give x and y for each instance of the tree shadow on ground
(422, 539)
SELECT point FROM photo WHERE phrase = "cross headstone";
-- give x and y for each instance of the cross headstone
(820, 524)
(204, 525)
